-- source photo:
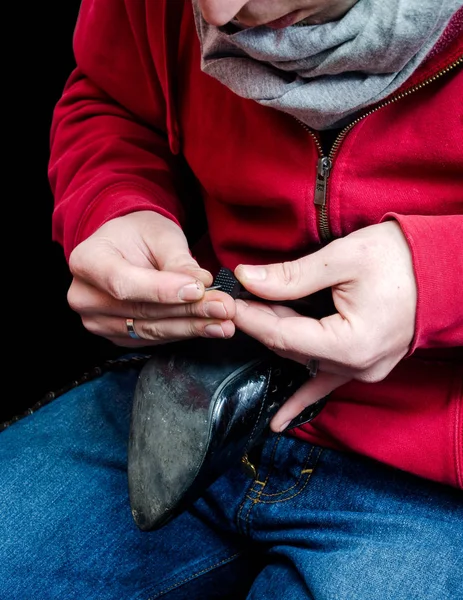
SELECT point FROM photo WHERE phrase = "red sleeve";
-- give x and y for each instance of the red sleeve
(109, 152)
(436, 244)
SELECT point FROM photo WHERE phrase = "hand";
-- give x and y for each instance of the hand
(371, 276)
(139, 266)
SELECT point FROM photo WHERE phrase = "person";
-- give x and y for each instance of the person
(306, 145)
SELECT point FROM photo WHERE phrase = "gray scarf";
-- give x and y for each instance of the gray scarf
(324, 74)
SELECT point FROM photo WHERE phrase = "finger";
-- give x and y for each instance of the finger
(157, 332)
(342, 348)
(87, 300)
(330, 338)
(315, 389)
(292, 280)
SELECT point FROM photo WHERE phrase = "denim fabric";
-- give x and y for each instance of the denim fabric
(315, 524)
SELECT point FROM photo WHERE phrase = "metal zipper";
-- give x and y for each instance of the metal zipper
(325, 163)
(324, 166)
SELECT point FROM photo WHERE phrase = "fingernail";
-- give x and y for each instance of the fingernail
(215, 310)
(309, 413)
(191, 291)
(214, 331)
(284, 426)
(253, 273)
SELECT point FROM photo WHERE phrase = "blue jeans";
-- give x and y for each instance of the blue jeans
(315, 524)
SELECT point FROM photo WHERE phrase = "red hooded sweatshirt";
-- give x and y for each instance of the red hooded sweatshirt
(140, 127)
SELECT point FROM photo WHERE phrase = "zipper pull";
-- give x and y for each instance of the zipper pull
(323, 172)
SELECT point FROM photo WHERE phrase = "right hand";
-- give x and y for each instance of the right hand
(139, 266)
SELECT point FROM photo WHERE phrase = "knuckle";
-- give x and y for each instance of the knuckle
(195, 329)
(72, 300)
(140, 310)
(116, 288)
(270, 343)
(152, 331)
(291, 273)
(275, 341)
(162, 296)
(195, 309)
(75, 262)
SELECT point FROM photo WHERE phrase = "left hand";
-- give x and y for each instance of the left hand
(371, 275)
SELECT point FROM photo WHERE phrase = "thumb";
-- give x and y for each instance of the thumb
(297, 278)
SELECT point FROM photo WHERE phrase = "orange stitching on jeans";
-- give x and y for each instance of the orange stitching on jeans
(304, 471)
(246, 497)
(210, 568)
(263, 484)
(294, 495)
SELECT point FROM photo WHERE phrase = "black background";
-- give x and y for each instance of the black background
(45, 346)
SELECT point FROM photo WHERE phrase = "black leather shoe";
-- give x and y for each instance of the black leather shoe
(199, 407)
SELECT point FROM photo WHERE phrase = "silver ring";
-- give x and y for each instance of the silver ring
(312, 366)
(129, 323)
